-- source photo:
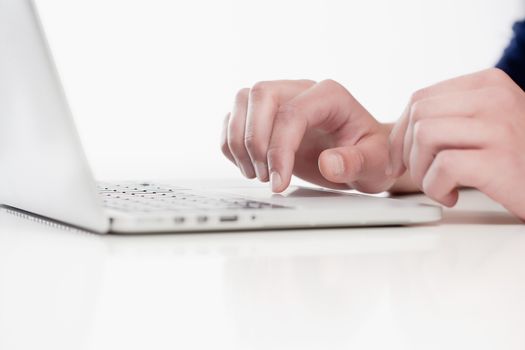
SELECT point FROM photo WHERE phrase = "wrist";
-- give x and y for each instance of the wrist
(404, 183)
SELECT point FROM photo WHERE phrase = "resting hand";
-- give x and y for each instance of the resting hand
(468, 131)
(316, 131)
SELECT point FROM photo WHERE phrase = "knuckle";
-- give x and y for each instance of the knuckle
(443, 163)
(338, 91)
(252, 144)
(235, 147)
(415, 113)
(249, 141)
(287, 112)
(242, 95)
(333, 86)
(260, 90)
(418, 95)
(422, 133)
(330, 82)
(273, 154)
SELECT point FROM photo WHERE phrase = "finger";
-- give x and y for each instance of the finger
(461, 104)
(224, 140)
(455, 168)
(341, 164)
(327, 106)
(263, 103)
(485, 78)
(361, 166)
(434, 135)
(236, 129)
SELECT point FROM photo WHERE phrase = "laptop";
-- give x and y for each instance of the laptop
(44, 171)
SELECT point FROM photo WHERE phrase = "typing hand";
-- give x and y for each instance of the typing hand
(316, 131)
(467, 131)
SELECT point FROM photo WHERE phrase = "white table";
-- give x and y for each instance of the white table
(456, 285)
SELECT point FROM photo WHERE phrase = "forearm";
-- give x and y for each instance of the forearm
(513, 60)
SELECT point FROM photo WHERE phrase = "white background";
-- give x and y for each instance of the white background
(150, 81)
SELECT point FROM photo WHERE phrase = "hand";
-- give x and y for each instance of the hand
(467, 131)
(316, 131)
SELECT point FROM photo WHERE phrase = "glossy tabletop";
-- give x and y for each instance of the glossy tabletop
(459, 284)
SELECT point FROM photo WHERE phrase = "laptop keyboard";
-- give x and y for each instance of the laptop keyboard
(148, 197)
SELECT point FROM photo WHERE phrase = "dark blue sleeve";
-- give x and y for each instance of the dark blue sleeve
(513, 60)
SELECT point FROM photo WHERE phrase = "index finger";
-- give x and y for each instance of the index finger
(263, 103)
(327, 106)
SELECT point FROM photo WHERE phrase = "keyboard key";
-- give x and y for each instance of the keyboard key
(148, 197)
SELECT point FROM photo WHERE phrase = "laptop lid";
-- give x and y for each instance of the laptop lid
(43, 169)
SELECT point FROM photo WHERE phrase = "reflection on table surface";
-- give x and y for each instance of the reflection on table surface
(456, 285)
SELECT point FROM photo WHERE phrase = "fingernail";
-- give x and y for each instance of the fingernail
(276, 181)
(336, 163)
(261, 170)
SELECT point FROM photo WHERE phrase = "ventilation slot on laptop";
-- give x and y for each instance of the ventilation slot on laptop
(179, 219)
(229, 218)
(202, 219)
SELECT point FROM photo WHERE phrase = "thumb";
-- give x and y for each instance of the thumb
(342, 164)
(362, 166)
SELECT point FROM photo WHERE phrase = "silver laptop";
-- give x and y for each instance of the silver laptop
(44, 172)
